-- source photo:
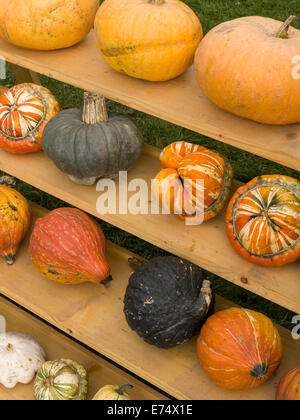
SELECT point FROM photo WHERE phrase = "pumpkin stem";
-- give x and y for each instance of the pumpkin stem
(10, 259)
(283, 31)
(123, 388)
(8, 181)
(135, 263)
(94, 109)
(157, 1)
(205, 297)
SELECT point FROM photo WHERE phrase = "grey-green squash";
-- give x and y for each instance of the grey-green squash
(92, 144)
(61, 379)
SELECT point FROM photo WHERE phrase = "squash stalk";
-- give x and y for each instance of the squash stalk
(205, 298)
(157, 2)
(283, 31)
(123, 388)
(94, 109)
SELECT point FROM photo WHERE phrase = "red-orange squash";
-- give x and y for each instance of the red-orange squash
(263, 220)
(250, 67)
(289, 387)
(239, 348)
(194, 183)
(15, 221)
(46, 24)
(67, 246)
(24, 111)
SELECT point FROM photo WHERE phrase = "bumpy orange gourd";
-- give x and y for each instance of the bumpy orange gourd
(263, 220)
(251, 68)
(15, 220)
(289, 387)
(239, 348)
(46, 24)
(24, 111)
(153, 40)
(176, 188)
(67, 246)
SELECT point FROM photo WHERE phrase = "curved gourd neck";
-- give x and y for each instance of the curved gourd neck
(94, 109)
(123, 388)
(284, 29)
(157, 2)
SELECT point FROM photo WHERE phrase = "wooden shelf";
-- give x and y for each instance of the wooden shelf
(205, 245)
(59, 346)
(93, 314)
(179, 101)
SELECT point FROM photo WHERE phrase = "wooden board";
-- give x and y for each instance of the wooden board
(59, 346)
(179, 101)
(205, 245)
(93, 314)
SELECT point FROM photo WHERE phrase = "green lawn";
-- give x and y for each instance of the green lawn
(160, 133)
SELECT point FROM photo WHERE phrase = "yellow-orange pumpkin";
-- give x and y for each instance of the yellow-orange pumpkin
(15, 220)
(153, 40)
(289, 387)
(263, 220)
(46, 24)
(67, 246)
(239, 348)
(250, 67)
(176, 188)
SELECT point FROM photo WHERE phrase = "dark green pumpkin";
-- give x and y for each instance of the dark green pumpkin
(167, 301)
(92, 144)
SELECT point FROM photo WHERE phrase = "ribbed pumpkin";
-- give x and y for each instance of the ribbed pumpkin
(239, 348)
(176, 187)
(61, 380)
(15, 221)
(263, 220)
(92, 144)
(24, 111)
(153, 40)
(47, 24)
(248, 66)
(67, 246)
(289, 386)
(113, 392)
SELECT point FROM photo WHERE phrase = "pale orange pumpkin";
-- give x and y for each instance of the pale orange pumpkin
(153, 40)
(176, 187)
(289, 387)
(250, 67)
(47, 24)
(239, 348)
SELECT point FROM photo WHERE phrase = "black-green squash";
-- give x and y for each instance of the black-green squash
(92, 144)
(167, 301)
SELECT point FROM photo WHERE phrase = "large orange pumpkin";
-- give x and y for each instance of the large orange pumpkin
(15, 220)
(263, 220)
(289, 386)
(175, 187)
(153, 40)
(250, 67)
(46, 24)
(239, 348)
(67, 246)
(24, 111)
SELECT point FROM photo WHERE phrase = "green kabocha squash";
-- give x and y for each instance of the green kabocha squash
(61, 379)
(92, 144)
(167, 301)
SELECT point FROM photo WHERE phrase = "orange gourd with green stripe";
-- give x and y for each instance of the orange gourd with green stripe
(239, 348)
(194, 182)
(24, 111)
(263, 220)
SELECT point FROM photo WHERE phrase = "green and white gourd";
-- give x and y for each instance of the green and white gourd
(91, 144)
(61, 379)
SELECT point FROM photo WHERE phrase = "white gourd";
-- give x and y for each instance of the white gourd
(20, 358)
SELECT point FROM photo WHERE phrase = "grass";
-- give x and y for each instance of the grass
(160, 133)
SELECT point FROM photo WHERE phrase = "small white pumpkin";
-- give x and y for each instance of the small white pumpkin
(21, 357)
(113, 392)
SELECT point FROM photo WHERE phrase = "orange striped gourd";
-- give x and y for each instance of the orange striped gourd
(194, 182)
(263, 220)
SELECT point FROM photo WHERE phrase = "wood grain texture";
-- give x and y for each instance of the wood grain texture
(94, 315)
(179, 101)
(206, 245)
(58, 346)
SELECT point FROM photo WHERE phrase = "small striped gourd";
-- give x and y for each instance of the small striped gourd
(113, 392)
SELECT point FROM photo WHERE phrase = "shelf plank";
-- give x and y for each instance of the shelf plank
(205, 245)
(179, 101)
(93, 314)
(59, 346)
